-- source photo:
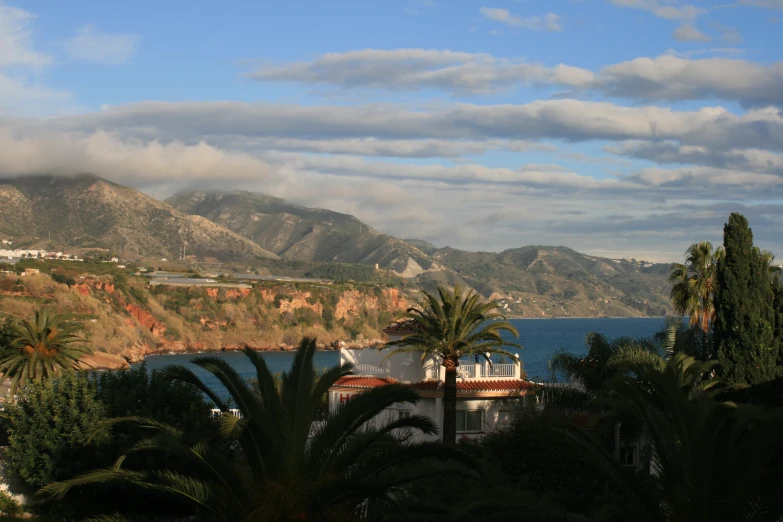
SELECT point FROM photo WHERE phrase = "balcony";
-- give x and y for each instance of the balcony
(371, 370)
(471, 371)
(408, 367)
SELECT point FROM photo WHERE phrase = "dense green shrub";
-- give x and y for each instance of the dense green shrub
(48, 429)
(138, 294)
(281, 297)
(306, 317)
(9, 505)
(63, 280)
(138, 392)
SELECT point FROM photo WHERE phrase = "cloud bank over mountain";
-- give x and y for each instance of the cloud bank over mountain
(631, 157)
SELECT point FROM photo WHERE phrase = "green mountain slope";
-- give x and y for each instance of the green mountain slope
(86, 212)
(301, 233)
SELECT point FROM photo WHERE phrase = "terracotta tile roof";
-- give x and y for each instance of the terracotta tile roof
(462, 386)
(364, 382)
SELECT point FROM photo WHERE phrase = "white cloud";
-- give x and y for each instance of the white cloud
(662, 152)
(416, 7)
(688, 33)
(663, 9)
(15, 39)
(420, 148)
(413, 69)
(673, 78)
(163, 146)
(744, 180)
(20, 63)
(667, 77)
(92, 45)
(18, 96)
(769, 4)
(126, 160)
(549, 21)
(569, 120)
(728, 34)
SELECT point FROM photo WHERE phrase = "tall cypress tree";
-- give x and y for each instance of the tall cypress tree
(744, 314)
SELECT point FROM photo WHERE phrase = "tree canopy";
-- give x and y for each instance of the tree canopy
(744, 315)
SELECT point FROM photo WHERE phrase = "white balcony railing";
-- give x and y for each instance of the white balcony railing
(370, 369)
(467, 371)
(499, 370)
(476, 371)
(233, 411)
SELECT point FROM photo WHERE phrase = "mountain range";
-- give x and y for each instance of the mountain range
(86, 212)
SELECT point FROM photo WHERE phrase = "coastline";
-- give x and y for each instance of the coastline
(110, 361)
(588, 317)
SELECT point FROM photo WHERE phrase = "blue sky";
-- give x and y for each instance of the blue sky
(626, 128)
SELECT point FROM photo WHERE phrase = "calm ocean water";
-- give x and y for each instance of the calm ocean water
(540, 338)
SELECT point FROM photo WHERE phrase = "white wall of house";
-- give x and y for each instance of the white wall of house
(475, 417)
(406, 367)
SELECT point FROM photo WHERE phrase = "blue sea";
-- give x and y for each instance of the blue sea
(540, 339)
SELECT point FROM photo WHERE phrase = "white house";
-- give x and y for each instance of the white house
(486, 393)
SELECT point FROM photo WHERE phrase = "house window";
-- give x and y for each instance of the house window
(628, 456)
(469, 421)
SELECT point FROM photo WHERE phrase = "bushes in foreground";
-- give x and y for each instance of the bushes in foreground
(54, 431)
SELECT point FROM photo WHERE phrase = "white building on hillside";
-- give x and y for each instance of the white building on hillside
(486, 394)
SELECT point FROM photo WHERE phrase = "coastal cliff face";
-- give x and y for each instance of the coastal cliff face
(127, 320)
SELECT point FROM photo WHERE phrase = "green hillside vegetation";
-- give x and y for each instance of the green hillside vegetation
(353, 272)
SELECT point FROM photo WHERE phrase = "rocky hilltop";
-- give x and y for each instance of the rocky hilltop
(300, 233)
(87, 212)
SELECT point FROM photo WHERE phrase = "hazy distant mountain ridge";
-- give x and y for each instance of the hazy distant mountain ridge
(559, 280)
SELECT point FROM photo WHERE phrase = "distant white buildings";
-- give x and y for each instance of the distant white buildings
(17, 253)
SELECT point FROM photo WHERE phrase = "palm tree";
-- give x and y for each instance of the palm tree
(694, 283)
(591, 372)
(40, 348)
(450, 326)
(680, 337)
(284, 465)
(711, 460)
